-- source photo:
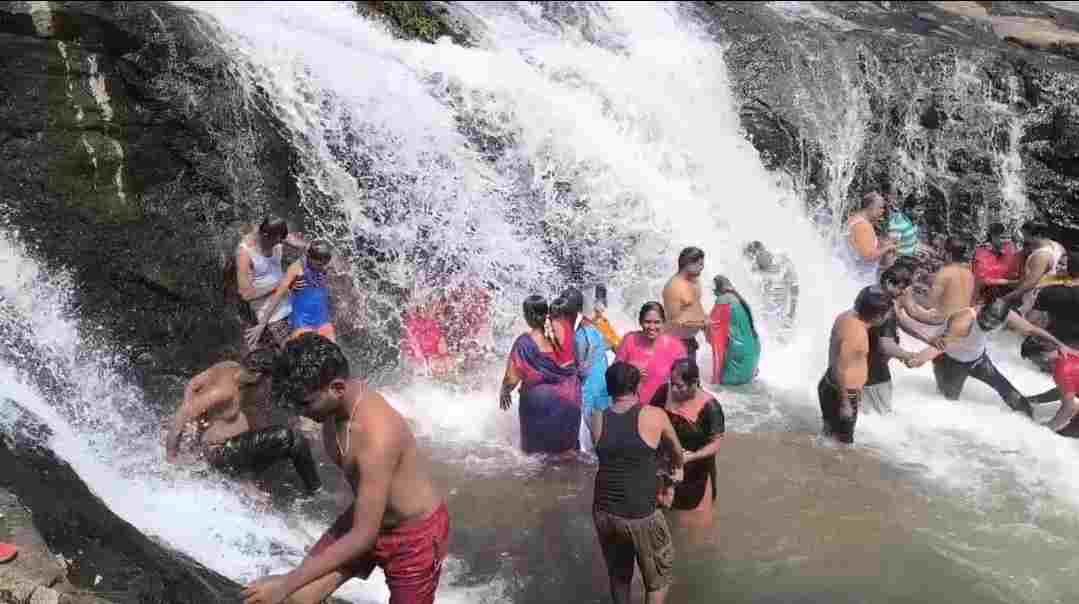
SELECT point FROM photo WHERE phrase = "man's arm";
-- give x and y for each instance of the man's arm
(852, 370)
(1026, 328)
(197, 402)
(1036, 267)
(375, 463)
(255, 333)
(595, 422)
(668, 435)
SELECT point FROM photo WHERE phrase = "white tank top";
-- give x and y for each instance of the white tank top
(1057, 256)
(972, 347)
(266, 271)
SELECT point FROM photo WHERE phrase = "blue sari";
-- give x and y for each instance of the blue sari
(550, 404)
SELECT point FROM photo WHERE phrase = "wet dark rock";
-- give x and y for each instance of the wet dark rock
(129, 156)
(104, 553)
(954, 104)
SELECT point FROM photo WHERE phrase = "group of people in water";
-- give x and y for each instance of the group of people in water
(636, 399)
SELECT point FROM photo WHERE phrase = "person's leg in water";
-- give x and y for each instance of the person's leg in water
(257, 450)
(950, 375)
(833, 426)
(618, 552)
(984, 371)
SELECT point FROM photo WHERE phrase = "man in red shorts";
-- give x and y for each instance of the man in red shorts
(1066, 376)
(398, 520)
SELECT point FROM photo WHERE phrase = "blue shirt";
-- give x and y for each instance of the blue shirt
(311, 304)
(591, 351)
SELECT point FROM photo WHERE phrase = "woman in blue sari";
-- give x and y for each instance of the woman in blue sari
(550, 397)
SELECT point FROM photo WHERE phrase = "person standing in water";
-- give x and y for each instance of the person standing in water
(778, 282)
(840, 390)
(736, 348)
(901, 229)
(884, 343)
(996, 265)
(231, 401)
(953, 287)
(258, 274)
(698, 421)
(1058, 306)
(1045, 260)
(550, 398)
(591, 352)
(311, 303)
(863, 249)
(629, 527)
(1066, 376)
(962, 352)
(398, 519)
(651, 350)
(682, 299)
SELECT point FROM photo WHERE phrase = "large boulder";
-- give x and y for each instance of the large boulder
(104, 553)
(129, 155)
(967, 109)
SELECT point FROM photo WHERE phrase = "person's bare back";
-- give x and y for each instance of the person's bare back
(848, 351)
(953, 289)
(215, 399)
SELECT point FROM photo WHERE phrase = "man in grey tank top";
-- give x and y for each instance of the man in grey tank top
(962, 352)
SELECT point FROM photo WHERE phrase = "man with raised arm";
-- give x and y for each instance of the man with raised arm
(398, 520)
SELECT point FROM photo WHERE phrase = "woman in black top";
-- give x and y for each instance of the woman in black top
(698, 421)
(629, 527)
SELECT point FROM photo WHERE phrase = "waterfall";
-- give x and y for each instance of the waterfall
(580, 143)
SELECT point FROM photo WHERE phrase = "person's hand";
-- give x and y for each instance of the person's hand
(678, 474)
(665, 497)
(253, 335)
(296, 239)
(939, 342)
(1068, 350)
(506, 401)
(267, 590)
(644, 375)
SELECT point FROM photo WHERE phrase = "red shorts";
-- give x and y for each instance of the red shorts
(1066, 374)
(410, 555)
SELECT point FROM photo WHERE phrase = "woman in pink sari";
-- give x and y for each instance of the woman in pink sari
(651, 351)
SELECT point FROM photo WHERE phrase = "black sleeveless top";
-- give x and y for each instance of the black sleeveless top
(626, 483)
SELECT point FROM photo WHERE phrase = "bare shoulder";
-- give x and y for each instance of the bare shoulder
(653, 415)
(380, 425)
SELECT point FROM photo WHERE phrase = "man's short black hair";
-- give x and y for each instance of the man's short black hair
(689, 255)
(310, 363)
(622, 379)
(274, 225)
(872, 303)
(574, 299)
(752, 248)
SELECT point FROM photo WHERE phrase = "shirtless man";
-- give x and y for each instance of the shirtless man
(229, 401)
(1045, 259)
(840, 390)
(398, 520)
(682, 299)
(961, 352)
(953, 287)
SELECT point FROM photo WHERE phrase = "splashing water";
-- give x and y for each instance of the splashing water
(594, 147)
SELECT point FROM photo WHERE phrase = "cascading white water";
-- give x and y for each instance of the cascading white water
(620, 126)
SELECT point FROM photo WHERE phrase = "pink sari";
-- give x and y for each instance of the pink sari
(655, 360)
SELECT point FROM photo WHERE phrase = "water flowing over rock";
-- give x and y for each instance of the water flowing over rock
(129, 159)
(967, 112)
(103, 553)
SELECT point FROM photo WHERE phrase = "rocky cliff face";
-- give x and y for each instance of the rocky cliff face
(967, 110)
(129, 158)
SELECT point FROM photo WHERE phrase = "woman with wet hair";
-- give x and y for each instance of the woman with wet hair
(698, 421)
(650, 350)
(736, 347)
(550, 397)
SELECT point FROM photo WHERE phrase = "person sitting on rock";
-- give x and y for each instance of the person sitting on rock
(229, 400)
(311, 303)
(258, 272)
